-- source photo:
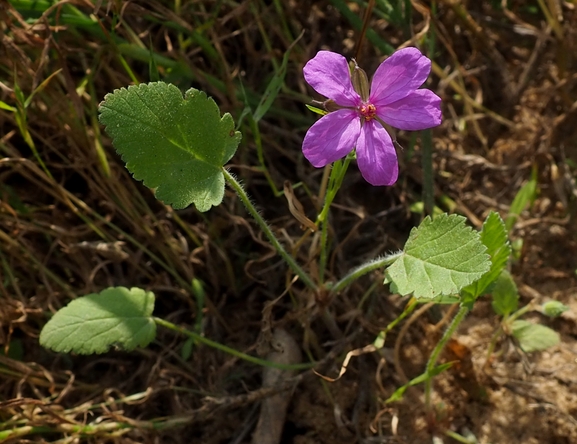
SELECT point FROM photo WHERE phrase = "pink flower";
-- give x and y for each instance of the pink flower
(394, 99)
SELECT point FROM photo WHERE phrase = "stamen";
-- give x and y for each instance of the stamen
(368, 111)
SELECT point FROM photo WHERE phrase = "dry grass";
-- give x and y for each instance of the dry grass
(72, 221)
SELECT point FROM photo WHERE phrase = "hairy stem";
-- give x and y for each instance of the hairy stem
(438, 349)
(363, 269)
(236, 186)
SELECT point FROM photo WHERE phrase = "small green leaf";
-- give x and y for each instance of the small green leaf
(175, 146)
(553, 309)
(316, 110)
(505, 295)
(273, 88)
(7, 107)
(494, 237)
(534, 337)
(440, 257)
(524, 196)
(186, 351)
(117, 316)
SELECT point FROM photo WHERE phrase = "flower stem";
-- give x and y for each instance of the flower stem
(428, 181)
(231, 351)
(303, 276)
(438, 349)
(335, 181)
(363, 269)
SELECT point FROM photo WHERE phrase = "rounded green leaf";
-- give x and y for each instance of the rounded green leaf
(176, 146)
(534, 337)
(441, 256)
(117, 316)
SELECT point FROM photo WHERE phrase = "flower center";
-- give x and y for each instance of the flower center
(368, 111)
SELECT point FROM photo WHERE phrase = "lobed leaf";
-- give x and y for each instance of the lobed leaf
(176, 146)
(441, 256)
(117, 316)
(494, 237)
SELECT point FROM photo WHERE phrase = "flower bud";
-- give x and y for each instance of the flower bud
(360, 82)
(331, 106)
(553, 308)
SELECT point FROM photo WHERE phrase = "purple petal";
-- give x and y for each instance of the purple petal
(332, 137)
(399, 75)
(376, 155)
(419, 110)
(328, 73)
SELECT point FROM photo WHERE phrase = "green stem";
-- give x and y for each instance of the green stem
(267, 231)
(506, 322)
(409, 308)
(493, 343)
(231, 351)
(379, 342)
(438, 349)
(459, 438)
(363, 269)
(335, 181)
(514, 316)
(324, 253)
(428, 183)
